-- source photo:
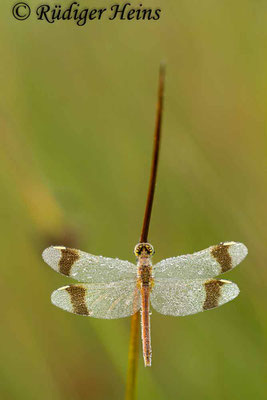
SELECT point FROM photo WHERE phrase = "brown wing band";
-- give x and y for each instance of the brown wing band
(221, 254)
(77, 297)
(213, 292)
(68, 258)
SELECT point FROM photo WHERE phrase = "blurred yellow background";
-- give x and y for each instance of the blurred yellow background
(77, 112)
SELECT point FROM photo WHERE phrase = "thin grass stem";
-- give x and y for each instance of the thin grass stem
(133, 354)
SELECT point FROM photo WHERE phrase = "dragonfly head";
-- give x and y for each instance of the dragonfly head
(144, 250)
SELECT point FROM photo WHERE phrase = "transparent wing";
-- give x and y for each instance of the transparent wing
(88, 268)
(185, 297)
(204, 264)
(102, 300)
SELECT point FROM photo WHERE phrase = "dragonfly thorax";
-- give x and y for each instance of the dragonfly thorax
(144, 253)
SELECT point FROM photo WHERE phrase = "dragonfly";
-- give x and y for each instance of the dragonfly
(112, 288)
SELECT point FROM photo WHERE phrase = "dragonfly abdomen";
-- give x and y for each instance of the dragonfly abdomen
(145, 280)
(145, 321)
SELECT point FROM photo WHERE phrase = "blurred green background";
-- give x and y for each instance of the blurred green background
(77, 112)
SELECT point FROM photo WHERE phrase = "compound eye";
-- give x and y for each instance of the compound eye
(145, 248)
(150, 249)
(137, 250)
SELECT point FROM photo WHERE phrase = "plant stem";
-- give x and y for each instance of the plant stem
(155, 158)
(135, 322)
(133, 357)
